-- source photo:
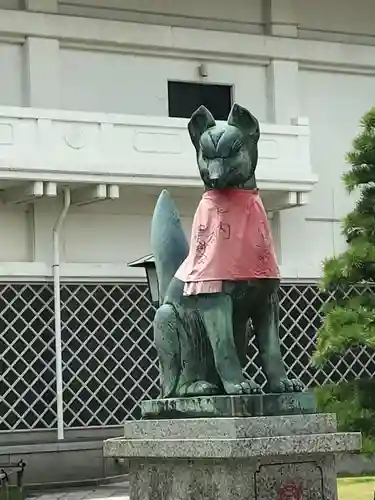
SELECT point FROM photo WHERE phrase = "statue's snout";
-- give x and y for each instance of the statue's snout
(216, 173)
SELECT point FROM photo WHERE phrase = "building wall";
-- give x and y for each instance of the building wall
(135, 84)
(237, 16)
(338, 20)
(316, 20)
(110, 232)
(334, 117)
(11, 72)
(93, 76)
(16, 228)
(10, 4)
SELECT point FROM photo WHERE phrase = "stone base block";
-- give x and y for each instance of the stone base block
(294, 479)
(263, 458)
(254, 405)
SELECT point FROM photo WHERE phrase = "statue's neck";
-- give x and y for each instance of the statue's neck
(250, 185)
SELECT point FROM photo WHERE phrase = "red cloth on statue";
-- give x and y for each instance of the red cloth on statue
(230, 241)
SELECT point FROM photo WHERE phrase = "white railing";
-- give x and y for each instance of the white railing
(91, 147)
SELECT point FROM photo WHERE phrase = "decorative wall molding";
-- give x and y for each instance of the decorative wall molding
(183, 41)
(336, 36)
(81, 147)
(253, 24)
(331, 68)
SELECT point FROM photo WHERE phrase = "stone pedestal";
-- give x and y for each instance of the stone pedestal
(289, 457)
(256, 405)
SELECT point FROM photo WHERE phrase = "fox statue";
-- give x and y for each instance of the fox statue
(227, 278)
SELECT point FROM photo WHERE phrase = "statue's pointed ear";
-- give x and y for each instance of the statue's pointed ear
(242, 119)
(200, 121)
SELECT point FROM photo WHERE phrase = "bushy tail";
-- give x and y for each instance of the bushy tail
(168, 241)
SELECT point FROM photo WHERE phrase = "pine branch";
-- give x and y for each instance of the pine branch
(349, 320)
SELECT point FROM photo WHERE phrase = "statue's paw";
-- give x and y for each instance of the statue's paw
(285, 385)
(243, 387)
(199, 388)
(297, 385)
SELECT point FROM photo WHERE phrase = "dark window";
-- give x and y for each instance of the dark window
(184, 98)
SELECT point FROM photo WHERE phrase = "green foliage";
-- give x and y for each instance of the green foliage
(354, 405)
(349, 318)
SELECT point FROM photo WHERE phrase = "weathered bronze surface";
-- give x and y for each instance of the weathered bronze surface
(202, 339)
(246, 405)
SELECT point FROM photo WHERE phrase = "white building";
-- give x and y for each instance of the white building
(90, 91)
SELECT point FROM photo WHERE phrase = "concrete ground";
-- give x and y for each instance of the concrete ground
(118, 491)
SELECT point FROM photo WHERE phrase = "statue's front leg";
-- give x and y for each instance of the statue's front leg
(216, 310)
(265, 319)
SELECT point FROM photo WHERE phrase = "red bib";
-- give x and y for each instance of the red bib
(230, 240)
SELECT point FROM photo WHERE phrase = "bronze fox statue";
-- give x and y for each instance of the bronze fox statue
(202, 334)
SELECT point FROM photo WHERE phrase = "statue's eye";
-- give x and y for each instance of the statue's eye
(207, 156)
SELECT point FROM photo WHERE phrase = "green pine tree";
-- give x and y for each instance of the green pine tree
(349, 316)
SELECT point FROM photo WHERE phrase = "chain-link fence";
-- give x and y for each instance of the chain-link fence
(109, 361)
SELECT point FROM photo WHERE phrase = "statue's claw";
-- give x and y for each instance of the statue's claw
(199, 388)
(244, 387)
(285, 385)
